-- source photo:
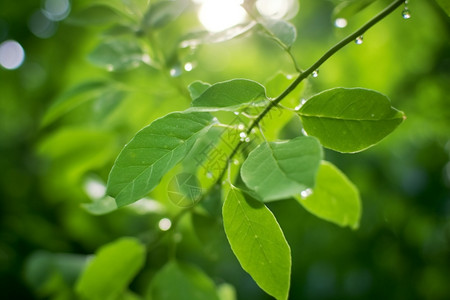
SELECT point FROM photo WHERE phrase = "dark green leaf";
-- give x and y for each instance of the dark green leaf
(181, 282)
(230, 95)
(349, 120)
(258, 243)
(281, 30)
(445, 5)
(111, 270)
(278, 170)
(152, 153)
(334, 198)
(163, 12)
(42, 265)
(118, 54)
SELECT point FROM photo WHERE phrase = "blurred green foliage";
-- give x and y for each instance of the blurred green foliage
(400, 251)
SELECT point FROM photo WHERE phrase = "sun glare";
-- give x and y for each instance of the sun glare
(218, 15)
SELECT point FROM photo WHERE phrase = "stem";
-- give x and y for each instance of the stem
(350, 38)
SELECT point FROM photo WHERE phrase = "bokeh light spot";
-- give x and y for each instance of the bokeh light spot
(12, 55)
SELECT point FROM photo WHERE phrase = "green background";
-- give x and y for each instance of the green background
(400, 251)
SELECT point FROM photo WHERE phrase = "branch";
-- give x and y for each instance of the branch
(350, 38)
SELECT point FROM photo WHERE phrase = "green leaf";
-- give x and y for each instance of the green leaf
(445, 5)
(182, 282)
(348, 9)
(273, 123)
(349, 120)
(163, 12)
(258, 243)
(42, 265)
(205, 37)
(72, 98)
(335, 198)
(281, 30)
(111, 270)
(94, 15)
(230, 95)
(152, 153)
(197, 88)
(278, 170)
(118, 54)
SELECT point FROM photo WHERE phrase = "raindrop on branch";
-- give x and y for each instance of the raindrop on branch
(359, 40)
(315, 73)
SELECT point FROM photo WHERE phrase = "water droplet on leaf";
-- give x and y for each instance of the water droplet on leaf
(188, 66)
(241, 126)
(359, 40)
(315, 73)
(306, 193)
(175, 72)
(340, 23)
(243, 135)
(247, 140)
(236, 113)
(209, 174)
(405, 13)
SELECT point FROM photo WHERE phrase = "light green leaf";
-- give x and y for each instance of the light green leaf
(349, 120)
(181, 282)
(258, 243)
(278, 170)
(197, 88)
(348, 9)
(74, 97)
(118, 54)
(111, 270)
(445, 5)
(152, 153)
(100, 206)
(205, 37)
(163, 12)
(335, 198)
(94, 15)
(230, 95)
(281, 30)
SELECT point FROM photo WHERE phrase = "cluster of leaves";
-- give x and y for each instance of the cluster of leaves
(258, 166)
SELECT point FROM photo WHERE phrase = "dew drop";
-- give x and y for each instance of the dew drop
(175, 72)
(236, 162)
(359, 40)
(340, 23)
(297, 108)
(405, 13)
(305, 193)
(315, 73)
(209, 174)
(215, 120)
(188, 66)
(243, 135)
(165, 224)
(241, 126)
(236, 113)
(247, 140)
